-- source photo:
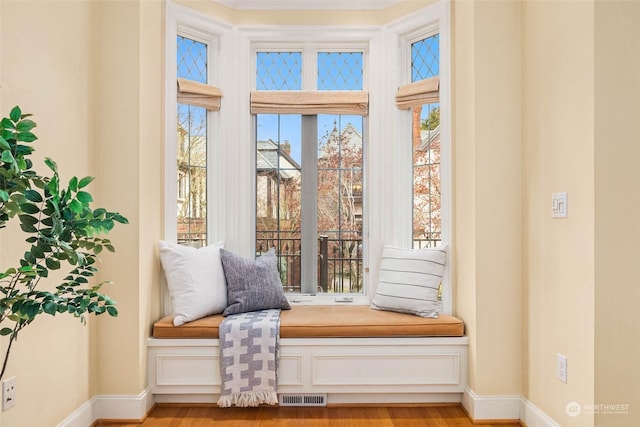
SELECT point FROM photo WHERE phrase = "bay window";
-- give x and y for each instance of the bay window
(309, 153)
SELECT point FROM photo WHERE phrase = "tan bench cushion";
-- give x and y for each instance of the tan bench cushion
(323, 321)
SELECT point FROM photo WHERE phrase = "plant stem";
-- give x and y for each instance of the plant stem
(12, 338)
(12, 285)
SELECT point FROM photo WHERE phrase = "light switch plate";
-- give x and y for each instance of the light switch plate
(559, 205)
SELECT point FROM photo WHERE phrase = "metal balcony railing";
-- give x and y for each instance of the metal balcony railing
(339, 260)
(339, 263)
(419, 243)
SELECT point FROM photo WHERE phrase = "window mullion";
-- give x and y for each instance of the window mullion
(309, 234)
(309, 68)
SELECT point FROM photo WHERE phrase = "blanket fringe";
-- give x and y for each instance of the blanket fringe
(248, 398)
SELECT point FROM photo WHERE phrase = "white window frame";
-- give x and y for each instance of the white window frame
(309, 51)
(431, 20)
(310, 40)
(388, 206)
(185, 22)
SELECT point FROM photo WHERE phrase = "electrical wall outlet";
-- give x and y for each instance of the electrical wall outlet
(9, 393)
(561, 367)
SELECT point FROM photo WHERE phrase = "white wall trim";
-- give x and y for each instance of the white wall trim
(333, 398)
(532, 416)
(391, 398)
(83, 416)
(119, 407)
(490, 407)
(307, 5)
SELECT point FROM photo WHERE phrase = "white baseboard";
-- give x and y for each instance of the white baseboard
(485, 408)
(187, 398)
(479, 408)
(81, 417)
(333, 398)
(118, 407)
(391, 398)
(532, 416)
(490, 407)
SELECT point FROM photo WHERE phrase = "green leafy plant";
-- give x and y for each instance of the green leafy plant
(62, 230)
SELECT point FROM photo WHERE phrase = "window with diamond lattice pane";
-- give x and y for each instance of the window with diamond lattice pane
(279, 71)
(192, 59)
(191, 149)
(309, 177)
(425, 58)
(427, 220)
(340, 71)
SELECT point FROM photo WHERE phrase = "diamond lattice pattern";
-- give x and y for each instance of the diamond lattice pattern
(192, 60)
(279, 71)
(425, 58)
(340, 71)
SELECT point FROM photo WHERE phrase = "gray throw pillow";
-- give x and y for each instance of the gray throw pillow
(252, 285)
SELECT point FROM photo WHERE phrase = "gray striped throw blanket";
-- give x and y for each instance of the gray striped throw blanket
(248, 358)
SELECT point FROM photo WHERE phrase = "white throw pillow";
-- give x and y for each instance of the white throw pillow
(408, 280)
(195, 279)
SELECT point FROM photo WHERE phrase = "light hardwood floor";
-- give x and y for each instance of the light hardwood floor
(393, 416)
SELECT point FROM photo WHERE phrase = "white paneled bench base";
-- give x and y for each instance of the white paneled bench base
(385, 367)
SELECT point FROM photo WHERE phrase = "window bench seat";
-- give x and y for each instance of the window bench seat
(345, 353)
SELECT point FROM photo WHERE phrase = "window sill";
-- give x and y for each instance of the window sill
(331, 299)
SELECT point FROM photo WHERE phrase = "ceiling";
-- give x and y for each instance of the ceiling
(307, 4)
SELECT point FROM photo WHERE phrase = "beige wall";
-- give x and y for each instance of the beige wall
(563, 138)
(91, 73)
(531, 116)
(128, 123)
(464, 170)
(558, 136)
(487, 183)
(46, 50)
(617, 203)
